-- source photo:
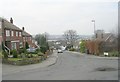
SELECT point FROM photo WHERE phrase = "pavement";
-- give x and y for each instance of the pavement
(93, 56)
(10, 69)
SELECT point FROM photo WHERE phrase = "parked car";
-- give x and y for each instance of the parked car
(60, 51)
(31, 49)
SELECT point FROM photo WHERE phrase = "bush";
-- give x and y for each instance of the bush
(72, 49)
(14, 53)
(5, 54)
(22, 50)
(40, 54)
(43, 49)
(26, 45)
(113, 54)
(82, 46)
(32, 52)
(37, 50)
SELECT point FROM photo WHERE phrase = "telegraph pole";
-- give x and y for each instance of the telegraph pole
(94, 25)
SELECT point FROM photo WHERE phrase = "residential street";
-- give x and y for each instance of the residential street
(71, 66)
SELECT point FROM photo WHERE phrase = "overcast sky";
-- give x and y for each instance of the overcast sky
(57, 16)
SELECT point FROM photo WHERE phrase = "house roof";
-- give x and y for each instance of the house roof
(106, 37)
(9, 25)
(26, 34)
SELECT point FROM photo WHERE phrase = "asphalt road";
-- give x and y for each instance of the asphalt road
(72, 66)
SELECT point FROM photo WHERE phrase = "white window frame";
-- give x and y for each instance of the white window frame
(7, 32)
(17, 33)
(20, 34)
(12, 33)
(21, 44)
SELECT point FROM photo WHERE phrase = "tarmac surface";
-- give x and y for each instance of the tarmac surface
(66, 66)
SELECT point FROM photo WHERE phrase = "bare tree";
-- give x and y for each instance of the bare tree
(70, 36)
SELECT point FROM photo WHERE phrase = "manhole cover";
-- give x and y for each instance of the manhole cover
(105, 69)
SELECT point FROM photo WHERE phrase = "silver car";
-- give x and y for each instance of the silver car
(60, 51)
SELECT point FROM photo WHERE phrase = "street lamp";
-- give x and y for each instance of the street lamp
(94, 25)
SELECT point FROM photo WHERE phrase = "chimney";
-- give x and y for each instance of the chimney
(11, 20)
(23, 28)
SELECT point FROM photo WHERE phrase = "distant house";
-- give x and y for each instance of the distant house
(76, 45)
(102, 42)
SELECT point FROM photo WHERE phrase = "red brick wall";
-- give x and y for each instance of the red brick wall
(12, 38)
(28, 39)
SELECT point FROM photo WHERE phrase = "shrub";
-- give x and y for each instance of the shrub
(22, 50)
(3, 48)
(72, 49)
(23, 55)
(43, 49)
(5, 54)
(14, 53)
(26, 45)
(113, 54)
(40, 54)
(82, 46)
(37, 50)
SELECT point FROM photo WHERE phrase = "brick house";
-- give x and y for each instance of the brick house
(13, 37)
(28, 38)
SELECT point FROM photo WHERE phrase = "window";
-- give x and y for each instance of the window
(19, 33)
(16, 33)
(29, 38)
(12, 33)
(21, 44)
(14, 46)
(7, 32)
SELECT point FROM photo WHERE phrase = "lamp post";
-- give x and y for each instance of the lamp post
(94, 25)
